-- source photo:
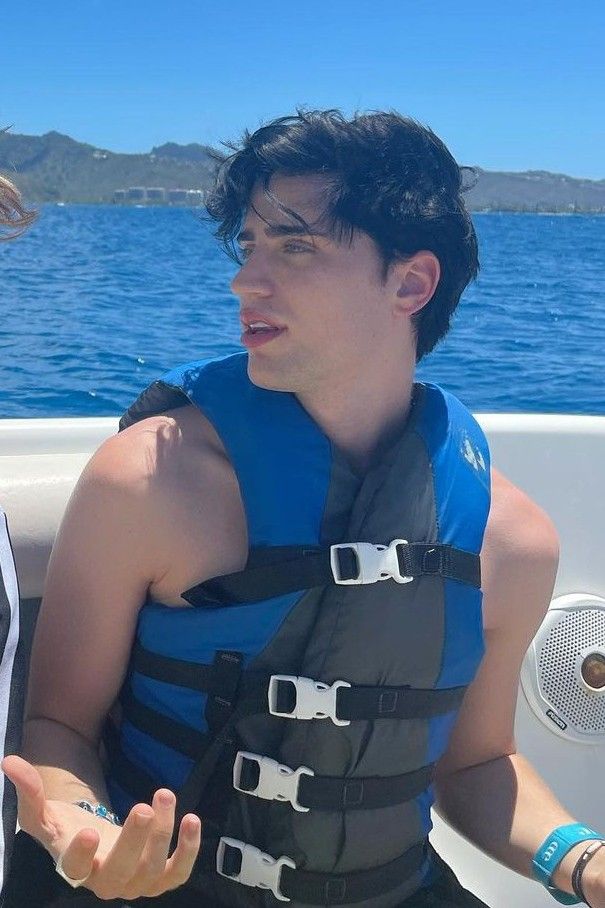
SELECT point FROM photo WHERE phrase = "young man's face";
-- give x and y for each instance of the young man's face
(320, 307)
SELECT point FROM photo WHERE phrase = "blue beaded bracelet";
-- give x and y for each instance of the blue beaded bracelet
(99, 810)
(552, 851)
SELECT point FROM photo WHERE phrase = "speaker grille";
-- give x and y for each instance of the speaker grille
(576, 632)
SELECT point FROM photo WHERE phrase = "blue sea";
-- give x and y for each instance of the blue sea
(98, 301)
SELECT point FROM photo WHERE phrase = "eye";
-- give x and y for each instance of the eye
(296, 246)
(245, 252)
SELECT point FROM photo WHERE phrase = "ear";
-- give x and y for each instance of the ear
(415, 282)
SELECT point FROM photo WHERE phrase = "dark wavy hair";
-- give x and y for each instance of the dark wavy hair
(388, 176)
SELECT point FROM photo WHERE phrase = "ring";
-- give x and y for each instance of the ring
(68, 879)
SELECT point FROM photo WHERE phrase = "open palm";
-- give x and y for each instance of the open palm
(126, 861)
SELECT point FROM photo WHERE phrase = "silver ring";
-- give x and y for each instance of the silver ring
(68, 879)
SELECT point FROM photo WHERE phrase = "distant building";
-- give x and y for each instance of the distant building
(136, 194)
(156, 194)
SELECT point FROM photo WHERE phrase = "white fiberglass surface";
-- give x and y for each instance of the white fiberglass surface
(557, 460)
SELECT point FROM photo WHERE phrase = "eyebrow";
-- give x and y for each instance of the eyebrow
(247, 236)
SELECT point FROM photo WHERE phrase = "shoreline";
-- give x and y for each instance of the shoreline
(592, 212)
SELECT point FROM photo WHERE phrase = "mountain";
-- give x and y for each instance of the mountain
(535, 190)
(54, 167)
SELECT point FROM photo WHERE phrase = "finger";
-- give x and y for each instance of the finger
(78, 858)
(119, 867)
(30, 792)
(180, 865)
(155, 855)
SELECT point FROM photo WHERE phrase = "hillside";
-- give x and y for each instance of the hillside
(54, 168)
(535, 190)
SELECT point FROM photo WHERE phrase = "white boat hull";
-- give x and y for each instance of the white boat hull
(558, 460)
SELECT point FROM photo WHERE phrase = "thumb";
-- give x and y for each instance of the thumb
(30, 793)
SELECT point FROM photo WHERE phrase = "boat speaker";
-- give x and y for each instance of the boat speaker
(563, 673)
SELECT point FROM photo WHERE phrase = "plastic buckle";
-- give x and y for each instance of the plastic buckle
(257, 868)
(376, 562)
(276, 782)
(314, 699)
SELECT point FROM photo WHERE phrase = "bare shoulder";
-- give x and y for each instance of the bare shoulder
(516, 521)
(166, 484)
(153, 448)
(519, 557)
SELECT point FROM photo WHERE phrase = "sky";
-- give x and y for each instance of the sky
(508, 85)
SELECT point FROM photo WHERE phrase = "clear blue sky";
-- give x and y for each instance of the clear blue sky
(508, 85)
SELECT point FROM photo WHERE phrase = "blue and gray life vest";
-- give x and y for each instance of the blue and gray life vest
(300, 705)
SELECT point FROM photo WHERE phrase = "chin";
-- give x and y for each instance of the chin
(268, 376)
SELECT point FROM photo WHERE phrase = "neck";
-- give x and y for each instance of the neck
(365, 416)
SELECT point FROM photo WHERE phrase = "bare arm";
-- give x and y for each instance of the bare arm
(97, 579)
(486, 790)
(107, 553)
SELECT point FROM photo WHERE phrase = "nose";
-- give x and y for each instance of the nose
(252, 279)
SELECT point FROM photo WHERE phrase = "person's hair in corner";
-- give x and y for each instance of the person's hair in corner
(14, 217)
(389, 176)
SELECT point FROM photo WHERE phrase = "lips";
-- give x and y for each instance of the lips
(258, 329)
(253, 320)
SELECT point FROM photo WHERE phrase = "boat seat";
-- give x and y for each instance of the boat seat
(40, 462)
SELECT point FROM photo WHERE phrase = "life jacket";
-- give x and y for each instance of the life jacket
(300, 705)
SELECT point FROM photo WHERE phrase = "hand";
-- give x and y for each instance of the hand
(126, 861)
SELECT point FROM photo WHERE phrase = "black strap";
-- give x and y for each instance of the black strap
(194, 787)
(424, 559)
(224, 679)
(275, 571)
(194, 675)
(361, 702)
(329, 793)
(356, 702)
(174, 734)
(339, 889)
(396, 702)
(224, 682)
(270, 571)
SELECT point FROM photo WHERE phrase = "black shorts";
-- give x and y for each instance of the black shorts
(33, 883)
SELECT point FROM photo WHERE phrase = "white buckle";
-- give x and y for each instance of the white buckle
(376, 562)
(258, 869)
(276, 782)
(314, 699)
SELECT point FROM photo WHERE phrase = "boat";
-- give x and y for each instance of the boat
(560, 724)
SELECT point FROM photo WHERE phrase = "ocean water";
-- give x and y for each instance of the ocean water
(97, 301)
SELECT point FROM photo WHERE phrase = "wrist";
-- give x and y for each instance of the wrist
(555, 859)
(590, 880)
(593, 879)
(99, 810)
(561, 878)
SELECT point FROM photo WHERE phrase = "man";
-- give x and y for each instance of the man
(299, 708)
(13, 219)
